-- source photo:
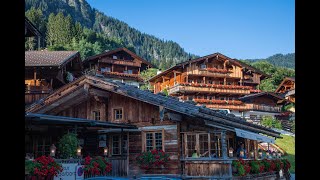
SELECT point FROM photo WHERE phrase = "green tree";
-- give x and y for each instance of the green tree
(37, 19)
(146, 75)
(267, 121)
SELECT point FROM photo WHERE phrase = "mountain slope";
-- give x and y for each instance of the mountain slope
(147, 46)
(279, 60)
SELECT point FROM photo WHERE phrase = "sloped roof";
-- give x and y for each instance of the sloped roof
(235, 61)
(48, 58)
(30, 29)
(117, 50)
(283, 81)
(167, 102)
(250, 96)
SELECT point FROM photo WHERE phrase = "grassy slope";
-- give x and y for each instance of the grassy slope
(288, 144)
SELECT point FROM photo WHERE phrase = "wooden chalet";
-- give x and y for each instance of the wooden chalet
(119, 64)
(163, 122)
(287, 88)
(49, 70)
(215, 81)
(31, 31)
(262, 104)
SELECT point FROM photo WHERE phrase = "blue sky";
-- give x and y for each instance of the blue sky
(242, 29)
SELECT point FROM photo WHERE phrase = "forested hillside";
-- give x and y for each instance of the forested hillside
(280, 60)
(159, 52)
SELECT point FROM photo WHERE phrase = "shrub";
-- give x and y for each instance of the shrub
(43, 167)
(96, 166)
(68, 145)
(255, 167)
(153, 158)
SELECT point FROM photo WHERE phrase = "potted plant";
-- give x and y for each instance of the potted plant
(68, 145)
(42, 168)
(153, 158)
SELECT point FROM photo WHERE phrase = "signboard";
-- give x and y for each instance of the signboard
(68, 173)
(102, 143)
(79, 172)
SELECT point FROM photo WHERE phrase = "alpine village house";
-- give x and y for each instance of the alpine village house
(119, 64)
(106, 113)
(220, 83)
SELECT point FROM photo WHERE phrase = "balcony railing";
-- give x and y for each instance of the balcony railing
(118, 74)
(236, 105)
(210, 72)
(209, 88)
(265, 108)
(120, 62)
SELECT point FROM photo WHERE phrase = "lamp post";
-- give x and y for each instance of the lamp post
(53, 150)
(79, 151)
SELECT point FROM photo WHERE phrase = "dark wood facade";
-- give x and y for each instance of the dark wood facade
(287, 88)
(215, 80)
(119, 64)
(46, 71)
(163, 123)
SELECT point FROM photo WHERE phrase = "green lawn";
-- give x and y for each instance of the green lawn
(288, 144)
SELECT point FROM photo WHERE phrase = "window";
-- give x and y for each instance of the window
(96, 115)
(221, 82)
(215, 143)
(229, 83)
(118, 114)
(119, 145)
(114, 57)
(222, 98)
(129, 71)
(191, 144)
(153, 141)
(204, 144)
(203, 66)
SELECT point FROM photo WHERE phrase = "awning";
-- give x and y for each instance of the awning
(253, 136)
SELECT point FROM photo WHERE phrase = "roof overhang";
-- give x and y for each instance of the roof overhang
(43, 119)
(253, 136)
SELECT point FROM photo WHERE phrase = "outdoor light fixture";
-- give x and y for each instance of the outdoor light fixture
(79, 151)
(105, 151)
(267, 154)
(279, 154)
(53, 150)
(230, 152)
(252, 154)
(260, 155)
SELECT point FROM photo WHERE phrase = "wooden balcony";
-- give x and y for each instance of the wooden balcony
(210, 73)
(238, 106)
(121, 75)
(120, 62)
(208, 88)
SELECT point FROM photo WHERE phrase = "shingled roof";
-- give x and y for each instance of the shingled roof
(235, 61)
(250, 96)
(117, 50)
(48, 58)
(168, 102)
